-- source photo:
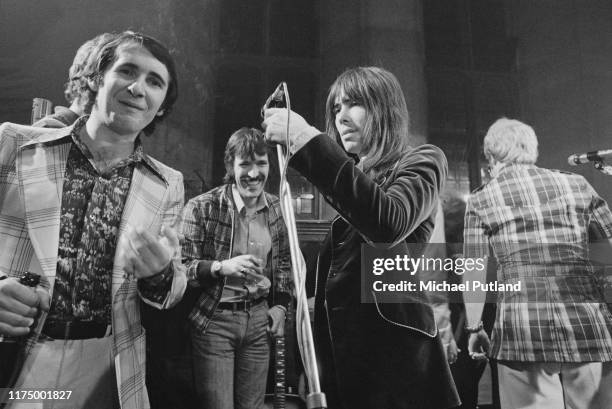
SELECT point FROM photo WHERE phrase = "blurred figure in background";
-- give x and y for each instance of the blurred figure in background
(437, 249)
(76, 91)
(466, 371)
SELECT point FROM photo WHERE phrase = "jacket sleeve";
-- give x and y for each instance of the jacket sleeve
(381, 215)
(475, 232)
(161, 292)
(197, 212)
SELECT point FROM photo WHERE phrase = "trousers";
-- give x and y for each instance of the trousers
(231, 359)
(555, 385)
(83, 369)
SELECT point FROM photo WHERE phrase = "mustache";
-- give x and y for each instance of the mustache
(250, 179)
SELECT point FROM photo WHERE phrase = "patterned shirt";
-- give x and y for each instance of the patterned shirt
(537, 223)
(92, 205)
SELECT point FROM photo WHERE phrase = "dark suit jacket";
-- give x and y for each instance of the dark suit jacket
(375, 355)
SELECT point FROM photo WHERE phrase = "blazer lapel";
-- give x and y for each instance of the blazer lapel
(142, 209)
(40, 172)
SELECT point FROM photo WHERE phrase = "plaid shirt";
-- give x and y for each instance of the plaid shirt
(537, 223)
(208, 226)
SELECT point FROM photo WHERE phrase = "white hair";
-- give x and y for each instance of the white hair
(511, 141)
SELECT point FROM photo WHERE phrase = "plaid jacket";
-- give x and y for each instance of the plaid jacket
(32, 167)
(537, 222)
(208, 226)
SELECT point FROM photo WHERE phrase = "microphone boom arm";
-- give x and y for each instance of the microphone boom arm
(596, 157)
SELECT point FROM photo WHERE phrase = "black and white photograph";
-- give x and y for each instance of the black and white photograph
(305, 204)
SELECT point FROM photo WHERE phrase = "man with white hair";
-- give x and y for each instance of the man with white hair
(552, 337)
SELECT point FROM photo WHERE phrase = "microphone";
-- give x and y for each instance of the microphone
(594, 156)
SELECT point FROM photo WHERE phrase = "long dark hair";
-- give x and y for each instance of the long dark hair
(386, 131)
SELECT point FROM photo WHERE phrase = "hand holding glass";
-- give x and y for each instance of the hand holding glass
(257, 249)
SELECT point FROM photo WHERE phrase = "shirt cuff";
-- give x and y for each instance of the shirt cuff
(303, 138)
(156, 287)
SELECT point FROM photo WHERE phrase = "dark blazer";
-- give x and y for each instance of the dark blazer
(375, 355)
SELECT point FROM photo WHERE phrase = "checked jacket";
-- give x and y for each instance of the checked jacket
(32, 167)
(537, 221)
(208, 225)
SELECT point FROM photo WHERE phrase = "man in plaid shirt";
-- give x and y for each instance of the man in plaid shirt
(236, 249)
(553, 338)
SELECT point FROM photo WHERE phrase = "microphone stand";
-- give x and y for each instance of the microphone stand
(315, 398)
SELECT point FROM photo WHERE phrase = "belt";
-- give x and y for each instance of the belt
(75, 329)
(240, 305)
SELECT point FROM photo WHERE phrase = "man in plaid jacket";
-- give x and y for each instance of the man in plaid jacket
(236, 249)
(95, 217)
(552, 337)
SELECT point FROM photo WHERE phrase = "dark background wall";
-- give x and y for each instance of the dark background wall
(461, 63)
(38, 39)
(564, 71)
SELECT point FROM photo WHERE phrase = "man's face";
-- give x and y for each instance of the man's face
(250, 175)
(132, 91)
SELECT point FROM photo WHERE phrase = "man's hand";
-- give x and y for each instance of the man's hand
(244, 266)
(276, 319)
(275, 125)
(479, 346)
(19, 306)
(147, 255)
(257, 289)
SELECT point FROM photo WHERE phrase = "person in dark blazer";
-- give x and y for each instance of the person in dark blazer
(372, 355)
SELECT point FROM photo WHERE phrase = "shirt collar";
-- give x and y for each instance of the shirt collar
(508, 167)
(137, 156)
(262, 202)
